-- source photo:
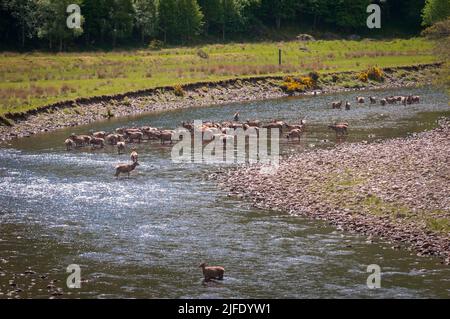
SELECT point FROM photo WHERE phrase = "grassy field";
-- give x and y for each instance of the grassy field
(28, 81)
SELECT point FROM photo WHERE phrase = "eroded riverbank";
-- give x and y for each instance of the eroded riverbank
(85, 111)
(396, 189)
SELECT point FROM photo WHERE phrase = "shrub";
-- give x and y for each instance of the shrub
(109, 113)
(178, 90)
(314, 75)
(101, 74)
(439, 30)
(126, 101)
(156, 45)
(375, 73)
(363, 76)
(307, 81)
(202, 54)
(291, 85)
(65, 89)
(6, 122)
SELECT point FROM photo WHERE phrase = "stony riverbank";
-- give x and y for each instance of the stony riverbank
(397, 189)
(85, 111)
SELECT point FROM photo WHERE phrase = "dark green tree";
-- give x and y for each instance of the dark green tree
(97, 26)
(25, 13)
(349, 14)
(435, 11)
(190, 19)
(230, 16)
(167, 13)
(279, 10)
(52, 22)
(146, 17)
(211, 10)
(121, 18)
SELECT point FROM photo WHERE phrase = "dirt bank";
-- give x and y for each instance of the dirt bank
(88, 110)
(397, 189)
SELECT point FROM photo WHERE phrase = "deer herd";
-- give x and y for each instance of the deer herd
(222, 131)
(405, 100)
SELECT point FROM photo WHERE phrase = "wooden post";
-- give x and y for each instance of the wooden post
(279, 57)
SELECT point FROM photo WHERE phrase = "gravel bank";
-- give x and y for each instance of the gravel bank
(85, 111)
(397, 189)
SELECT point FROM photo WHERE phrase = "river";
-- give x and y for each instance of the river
(145, 236)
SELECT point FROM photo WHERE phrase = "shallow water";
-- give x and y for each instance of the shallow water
(145, 236)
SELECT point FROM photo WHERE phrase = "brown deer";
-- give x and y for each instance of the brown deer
(340, 129)
(295, 133)
(212, 272)
(336, 105)
(125, 169)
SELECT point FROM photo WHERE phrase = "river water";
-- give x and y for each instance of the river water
(145, 236)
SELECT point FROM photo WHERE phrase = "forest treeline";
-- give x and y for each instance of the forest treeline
(30, 24)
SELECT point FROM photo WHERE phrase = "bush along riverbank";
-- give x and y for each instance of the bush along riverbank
(396, 189)
(87, 110)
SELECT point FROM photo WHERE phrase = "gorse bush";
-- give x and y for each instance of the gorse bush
(363, 76)
(291, 85)
(178, 90)
(307, 81)
(375, 74)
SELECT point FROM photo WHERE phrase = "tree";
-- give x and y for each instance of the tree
(168, 18)
(440, 34)
(211, 11)
(280, 10)
(121, 16)
(52, 22)
(97, 24)
(190, 19)
(222, 15)
(350, 14)
(180, 19)
(230, 16)
(318, 9)
(146, 17)
(435, 11)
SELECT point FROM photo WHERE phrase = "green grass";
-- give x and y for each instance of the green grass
(441, 225)
(342, 190)
(28, 81)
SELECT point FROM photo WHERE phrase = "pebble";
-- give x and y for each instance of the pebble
(387, 190)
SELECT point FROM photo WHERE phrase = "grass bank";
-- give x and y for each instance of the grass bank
(30, 81)
(80, 111)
